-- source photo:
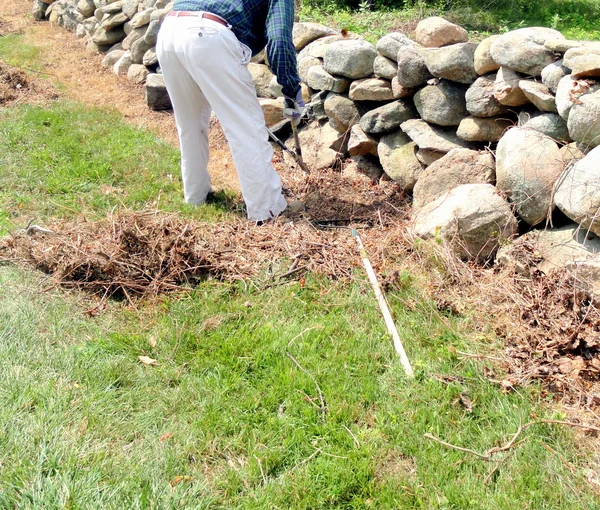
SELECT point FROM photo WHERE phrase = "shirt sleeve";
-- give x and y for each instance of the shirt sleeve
(281, 52)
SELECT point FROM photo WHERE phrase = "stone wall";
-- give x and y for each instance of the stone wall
(486, 136)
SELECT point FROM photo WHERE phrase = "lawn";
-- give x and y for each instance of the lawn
(285, 397)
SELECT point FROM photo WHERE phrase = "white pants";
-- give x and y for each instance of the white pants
(204, 65)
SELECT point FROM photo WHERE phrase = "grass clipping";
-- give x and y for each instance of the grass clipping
(150, 252)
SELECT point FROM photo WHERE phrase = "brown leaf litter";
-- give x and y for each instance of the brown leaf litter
(16, 87)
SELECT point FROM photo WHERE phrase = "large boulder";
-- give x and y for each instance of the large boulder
(397, 155)
(472, 219)
(412, 70)
(389, 45)
(552, 74)
(583, 62)
(433, 138)
(539, 95)
(108, 37)
(435, 32)
(384, 67)
(577, 192)
(137, 73)
(322, 146)
(371, 89)
(361, 168)
(157, 97)
(442, 104)
(481, 99)
(304, 65)
(584, 120)
(400, 91)
(523, 50)
(352, 58)
(455, 62)
(114, 21)
(272, 110)
(318, 78)
(86, 8)
(261, 77)
(361, 143)
(305, 33)
(459, 166)
(318, 48)
(387, 118)
(506, 88)
(479, 129)
(550, 124)
(483, 61)
(341, 111)
(528, 164)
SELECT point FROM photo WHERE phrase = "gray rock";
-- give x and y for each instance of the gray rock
(550, 124)
(148, 4)
(322, 146)
(130, 7)
(507, 89)
(352, 59)
(39, 9)
(138, 50)
(360, 143)
(318, 48)
(483, 61)
(152, 33)
(430, 137)
(150, 58)
(157, 97)
(341, 111)
(319, 79)
(454, 62)
(583, 62)
(442, 104)
(272, 110)
(564, 96)
(554, 248)
(261, 76)
(113, 21)
(387, 118)
(141, 18)
(459, 166)
(305, 64)
(478, 129)
(86, 8)
(305, 33)
(398, 91)
(113, 7)
(80, 31)
(523, 50)
(435, 32)
(161, 14)
(587, 273)
(133, 36)
(573, 152)
(577, 192)
(412, 70)
(316, 106)
(371, 89)
(472, 220)
(552, 74)
(384, 68)
(584, 120)
(539, 95)
(528, 164)
(108, 37)
(137, 73)
(429, 156)
(397, 155)
(122, 65)
(91, 25)
(390, 44)
(563, 45)
(360, 168)
(481, 99)
(111, 58)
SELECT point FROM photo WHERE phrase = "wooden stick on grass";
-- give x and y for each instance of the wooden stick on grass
(389, 321)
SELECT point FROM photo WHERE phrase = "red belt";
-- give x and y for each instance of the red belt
(200, 14)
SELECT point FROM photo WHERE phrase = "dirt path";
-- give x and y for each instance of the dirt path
(84, 80)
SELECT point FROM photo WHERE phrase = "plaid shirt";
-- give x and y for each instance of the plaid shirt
(256, 23)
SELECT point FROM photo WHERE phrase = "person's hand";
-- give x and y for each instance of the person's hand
(294, 108)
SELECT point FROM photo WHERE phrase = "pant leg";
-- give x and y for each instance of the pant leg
(218, 63)
(192, 115)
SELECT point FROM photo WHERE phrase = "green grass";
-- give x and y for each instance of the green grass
(81, 419)
(16, 52)
(66, 160)
(577, 19)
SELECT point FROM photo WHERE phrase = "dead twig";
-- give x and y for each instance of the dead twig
(323, 407)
